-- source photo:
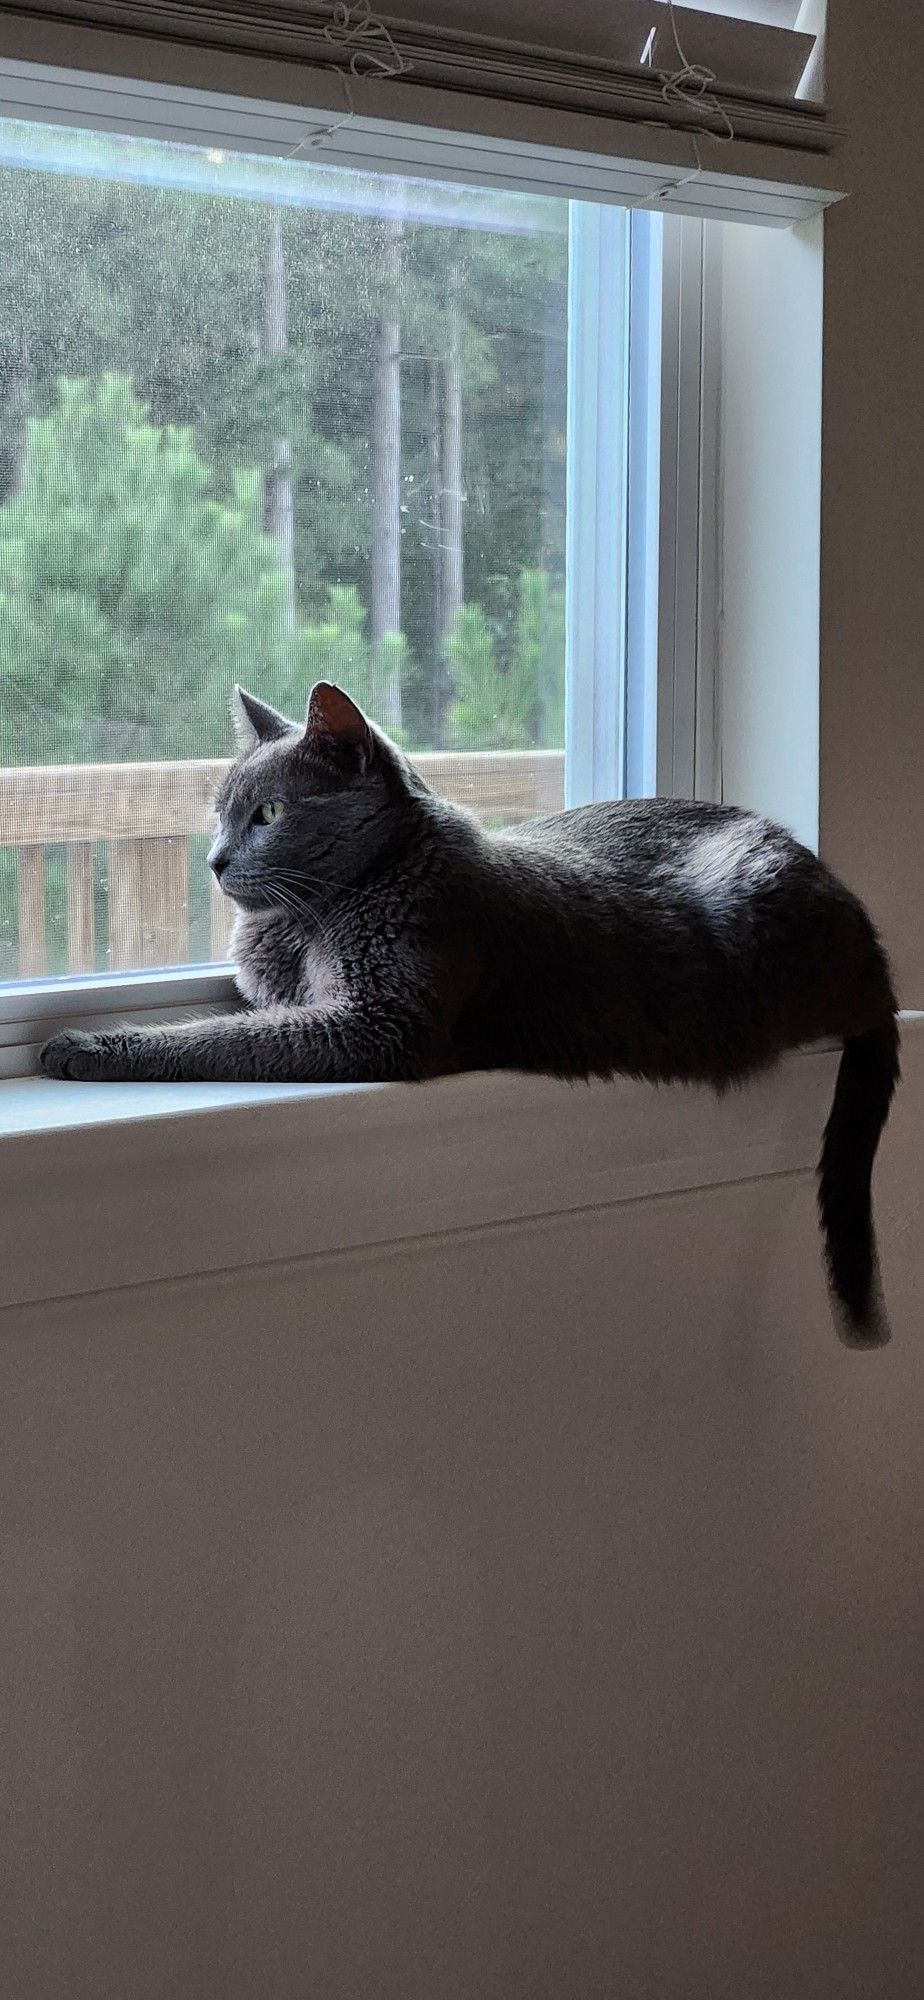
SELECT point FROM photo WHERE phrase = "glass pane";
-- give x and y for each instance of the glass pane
(265, 422)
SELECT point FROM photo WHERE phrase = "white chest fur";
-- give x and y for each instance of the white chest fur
(323, 977)
(275, 966)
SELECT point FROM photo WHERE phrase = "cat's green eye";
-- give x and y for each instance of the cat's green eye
(270, 811)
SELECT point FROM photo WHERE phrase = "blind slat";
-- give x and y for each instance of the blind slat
(744, 54)
(592, 63)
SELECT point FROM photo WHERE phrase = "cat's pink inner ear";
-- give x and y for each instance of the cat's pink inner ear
(333, 720)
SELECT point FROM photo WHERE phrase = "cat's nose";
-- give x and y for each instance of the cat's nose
(218, 862)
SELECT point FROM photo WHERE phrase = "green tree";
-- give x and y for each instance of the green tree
(167, 286)
(485, 333)
(131, 598)
(540, 657)
(517, 702)
(56, 314)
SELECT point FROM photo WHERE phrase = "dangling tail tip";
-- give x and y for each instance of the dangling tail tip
(864, 1331)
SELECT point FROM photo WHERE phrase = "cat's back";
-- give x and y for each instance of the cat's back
(663, 938)
(639, 842)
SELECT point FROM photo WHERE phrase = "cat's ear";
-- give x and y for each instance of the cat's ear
(255, 722)
(335, 725)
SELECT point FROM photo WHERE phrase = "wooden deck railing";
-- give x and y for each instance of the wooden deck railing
(147, 814)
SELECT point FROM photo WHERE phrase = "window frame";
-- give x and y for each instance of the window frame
(687, 758)
(641, 574)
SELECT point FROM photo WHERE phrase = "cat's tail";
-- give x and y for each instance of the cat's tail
(866, 1081)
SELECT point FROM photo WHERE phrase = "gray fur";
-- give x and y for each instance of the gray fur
(383, 934)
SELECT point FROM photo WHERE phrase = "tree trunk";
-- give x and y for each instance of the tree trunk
(15, 378)
(279, 500)
(386, 472)
(435, 532)
(453, 579)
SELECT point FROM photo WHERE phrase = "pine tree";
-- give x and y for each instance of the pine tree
(165, 288)
(131, 598)
(518, 702)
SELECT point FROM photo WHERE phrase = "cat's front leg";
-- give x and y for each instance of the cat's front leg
(129, 1055)
(275, 1045)
(269, 1047)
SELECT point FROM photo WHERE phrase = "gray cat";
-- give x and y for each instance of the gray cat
(383, 934)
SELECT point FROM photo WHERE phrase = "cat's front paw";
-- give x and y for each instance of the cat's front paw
(76, 1056)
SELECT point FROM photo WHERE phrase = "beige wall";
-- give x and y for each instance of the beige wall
(872, 678)
(527, 1614)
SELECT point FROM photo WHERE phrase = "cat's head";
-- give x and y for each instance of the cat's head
(308, 806)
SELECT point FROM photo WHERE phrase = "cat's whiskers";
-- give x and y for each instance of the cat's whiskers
(331, 932)
(284, 900)
(306, 888)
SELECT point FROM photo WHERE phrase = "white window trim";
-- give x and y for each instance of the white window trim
(670, 619)
(767, 674)
(598, 663)
(33, 1010)
(162, 88)
(687, 561)
(643, 555)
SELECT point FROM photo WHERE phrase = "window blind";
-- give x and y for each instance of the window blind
(750, 54)
(271, 77)
(616, 58)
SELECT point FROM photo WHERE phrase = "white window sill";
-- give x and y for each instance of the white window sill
(121, 1184)
(37, 1104)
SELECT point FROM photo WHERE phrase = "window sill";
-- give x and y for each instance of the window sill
(121, 1185)
(34, 1104)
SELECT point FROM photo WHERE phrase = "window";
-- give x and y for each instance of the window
(268, 420)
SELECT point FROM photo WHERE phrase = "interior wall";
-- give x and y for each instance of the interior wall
(521, 1614)
(872, 593)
